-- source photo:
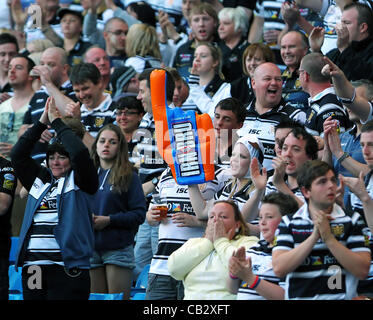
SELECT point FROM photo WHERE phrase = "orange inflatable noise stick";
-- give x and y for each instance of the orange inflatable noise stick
(185, 140)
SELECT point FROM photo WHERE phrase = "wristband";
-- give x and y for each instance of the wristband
(343, 157)
(255, 283)
(232, 276)
(348, 100)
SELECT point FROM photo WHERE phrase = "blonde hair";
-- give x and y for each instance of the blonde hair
(142, 40)
(40, 45)
(216, 56)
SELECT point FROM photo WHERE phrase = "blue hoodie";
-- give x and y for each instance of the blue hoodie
(74, 232)
(126, 211)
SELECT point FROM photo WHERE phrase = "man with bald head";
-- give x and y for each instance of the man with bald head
(323, 103)
(268, 109)
(101, 60)
(53, 72)
(115, 34)
(293, 47)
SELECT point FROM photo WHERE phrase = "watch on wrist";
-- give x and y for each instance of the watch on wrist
(348, 101)
(155, 181)
(343, 157)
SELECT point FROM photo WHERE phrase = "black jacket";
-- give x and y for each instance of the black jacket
(356, 61)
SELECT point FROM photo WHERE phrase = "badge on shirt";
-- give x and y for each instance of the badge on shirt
(99, 121)
(9, 181)
(338, 230)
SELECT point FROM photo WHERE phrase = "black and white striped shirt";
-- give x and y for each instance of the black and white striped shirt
(151, 162)
(263, 125)
(171, 237)
(95, 119)
(310, 280)
(261, 265)
(43, 247)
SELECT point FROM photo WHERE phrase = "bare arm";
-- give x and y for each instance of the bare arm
(60, 99)
(284, 261)
(243, 270)
(5, 202)
(256, 30)
(279, 164)
(357, 186)
(315, 5)
(344, 89)
(333, 143)
(199, 204)
(357, 263)
(250, 208)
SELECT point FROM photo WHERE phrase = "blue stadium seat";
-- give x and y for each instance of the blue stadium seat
(142, 279)
(139, 296)
(15, 279)
(141, 282)
(13, 250)
(106, 296)
(15, 296)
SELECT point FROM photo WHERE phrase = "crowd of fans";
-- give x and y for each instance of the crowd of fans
(288, 86)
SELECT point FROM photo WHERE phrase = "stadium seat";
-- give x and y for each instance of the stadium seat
(142, 279)
(141, 282)
(13, 250)
(15, 279)
(139, 296)
(106, 296)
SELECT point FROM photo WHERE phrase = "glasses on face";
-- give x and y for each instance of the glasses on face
(120, 113)
(119, 32)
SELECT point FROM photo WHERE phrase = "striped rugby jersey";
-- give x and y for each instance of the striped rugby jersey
(263, 125)
(311, 279)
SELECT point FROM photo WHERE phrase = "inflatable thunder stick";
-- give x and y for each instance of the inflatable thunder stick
(185, 140)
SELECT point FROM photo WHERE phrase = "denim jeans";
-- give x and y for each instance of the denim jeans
(161, 287)
(146, 246)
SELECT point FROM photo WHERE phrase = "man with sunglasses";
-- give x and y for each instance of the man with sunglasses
(12, 110)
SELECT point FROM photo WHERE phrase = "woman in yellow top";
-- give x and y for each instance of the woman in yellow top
(202, 263)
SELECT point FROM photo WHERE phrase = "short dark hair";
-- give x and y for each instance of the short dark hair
(311, 147)
(30, 63)
(365, 14)
(129, 102)
(234, 105)
(367, 127)
(54, 147)
(310, 171)
(170, 83)
(288, 124)
(286, 203)
(8, 38)
(313, 63)
(83, 72)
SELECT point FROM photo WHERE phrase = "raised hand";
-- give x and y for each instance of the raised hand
(259, 179)
(316, 39)
(343, 40)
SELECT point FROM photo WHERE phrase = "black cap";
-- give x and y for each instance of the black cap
(63, 11)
